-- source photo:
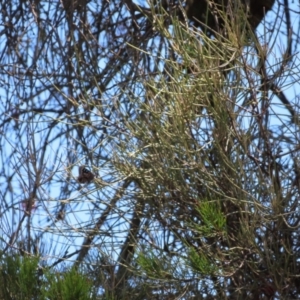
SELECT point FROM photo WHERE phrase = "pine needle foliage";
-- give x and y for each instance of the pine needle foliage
(185, 118)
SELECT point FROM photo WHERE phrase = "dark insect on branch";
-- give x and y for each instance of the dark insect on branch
(85, 175)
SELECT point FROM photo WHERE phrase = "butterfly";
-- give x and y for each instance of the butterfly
(85, 175)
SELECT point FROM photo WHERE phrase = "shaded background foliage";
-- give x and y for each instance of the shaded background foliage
(182, 111)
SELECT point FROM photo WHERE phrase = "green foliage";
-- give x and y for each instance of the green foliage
(67, 285)
(191, 137)
(213, 219)
(155, 267)
(19, 277)
(200, 262)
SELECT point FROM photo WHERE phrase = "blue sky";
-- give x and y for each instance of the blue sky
(62, 157)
